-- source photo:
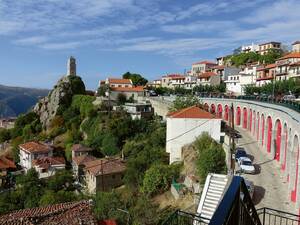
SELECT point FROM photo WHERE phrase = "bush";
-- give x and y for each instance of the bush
(210, 160)
(158, 178)
(109, 145)
(121, 99)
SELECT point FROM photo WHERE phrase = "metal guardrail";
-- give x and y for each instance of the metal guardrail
(276, 217)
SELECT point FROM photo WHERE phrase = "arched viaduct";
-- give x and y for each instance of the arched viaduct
(276, 129)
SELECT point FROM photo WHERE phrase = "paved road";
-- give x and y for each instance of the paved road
(271, 188)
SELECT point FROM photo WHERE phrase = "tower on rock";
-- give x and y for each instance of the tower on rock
(71, 66)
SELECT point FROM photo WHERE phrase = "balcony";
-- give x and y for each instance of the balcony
(236, 208)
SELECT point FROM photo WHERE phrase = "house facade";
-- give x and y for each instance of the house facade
(104, 174)
(266, 47)
(296, 46)
(118, 82)
(139, 110)
(6, 165)
(208, 78)
(31, 151)
(235, 84)
(283, 64)
(225, 71)
(250, 48)
(265, 74)
(201, 67)
(48, 166)
(184, 126)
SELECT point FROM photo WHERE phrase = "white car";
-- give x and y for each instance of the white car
(246, 165)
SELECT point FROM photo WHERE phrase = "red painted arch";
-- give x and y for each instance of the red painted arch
(254, 123)
(238, 116)
(220, 111)
(213, 109)
(262, 129)
(278, 140)
(257, 129)
(245, 118)
(226, 114)
(269, 133)
(285, 130)
(250, 121)
(206, 107)
(294, 191)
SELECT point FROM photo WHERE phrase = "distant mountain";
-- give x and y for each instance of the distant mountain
(17, 100)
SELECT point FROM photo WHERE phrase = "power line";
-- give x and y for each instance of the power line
(188, 131)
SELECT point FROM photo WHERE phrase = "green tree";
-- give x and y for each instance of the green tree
(4, 135)
(103, 89)
(184, 102)
(144, 212)
(121, 99)
(136, 79)
(158, 178)
(109, 145)
(106, 205)
(211, 160)
(62, 180)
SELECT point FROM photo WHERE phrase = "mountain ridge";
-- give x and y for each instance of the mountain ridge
(16, 100)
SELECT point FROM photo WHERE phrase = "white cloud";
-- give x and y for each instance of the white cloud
(60, 46)
(31, 40)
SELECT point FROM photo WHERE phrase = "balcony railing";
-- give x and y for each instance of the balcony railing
(236, 208)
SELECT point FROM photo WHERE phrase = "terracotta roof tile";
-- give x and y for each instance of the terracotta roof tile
(46, 162)
(7, 163)
(291, 55)
(119, 81)
(83, 159)
(105, 166)
(207, 74)
(128, 89)
(295, 64)
(108, 222)
(191, 112)
(35, 147)
(71, 213)
(205, 62)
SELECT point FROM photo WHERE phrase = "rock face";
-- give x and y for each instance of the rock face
(59, 98)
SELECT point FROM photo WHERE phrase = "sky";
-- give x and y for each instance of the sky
(150, 37)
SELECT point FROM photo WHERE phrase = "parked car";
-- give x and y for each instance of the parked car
(240, 152)
(289, 98)
(246, 165)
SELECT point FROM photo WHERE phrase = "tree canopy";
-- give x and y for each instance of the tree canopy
(183, 102)
(137, 79)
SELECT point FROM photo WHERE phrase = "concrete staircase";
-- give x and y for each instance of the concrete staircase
(213, 191)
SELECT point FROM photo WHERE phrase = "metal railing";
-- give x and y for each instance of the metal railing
(276, 217)
(236, 208)
(184, 218)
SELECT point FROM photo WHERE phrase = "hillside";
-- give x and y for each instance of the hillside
(16, 100)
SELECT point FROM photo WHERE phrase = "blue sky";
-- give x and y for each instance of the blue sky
(151, 37)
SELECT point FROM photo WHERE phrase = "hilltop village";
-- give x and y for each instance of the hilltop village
(109, 157)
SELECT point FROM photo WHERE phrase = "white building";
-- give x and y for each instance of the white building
(250, 48)
(190, 82)
(235, 84)
(225, 71)
(48, 166)
(296, 46)
(283, 64)
(117, 83)
(184, 126)
(31, 151)
(201, 67)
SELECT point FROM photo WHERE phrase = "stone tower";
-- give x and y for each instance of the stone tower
(71, 66)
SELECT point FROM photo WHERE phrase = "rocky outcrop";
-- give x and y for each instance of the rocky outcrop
(58, 99)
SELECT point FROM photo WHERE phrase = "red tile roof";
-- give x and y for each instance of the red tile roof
(128, 89)
(191, 112)
(207, 74)
(205, 62)
(270, 66)
(219, 67)
(119, 81)
(81, 148)
(108, 222)
(46, 162)
(291, 55)
(105, 166)
(83, 159)
(173, 75)
(71, 213)
(33, 146)
(7, 163)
